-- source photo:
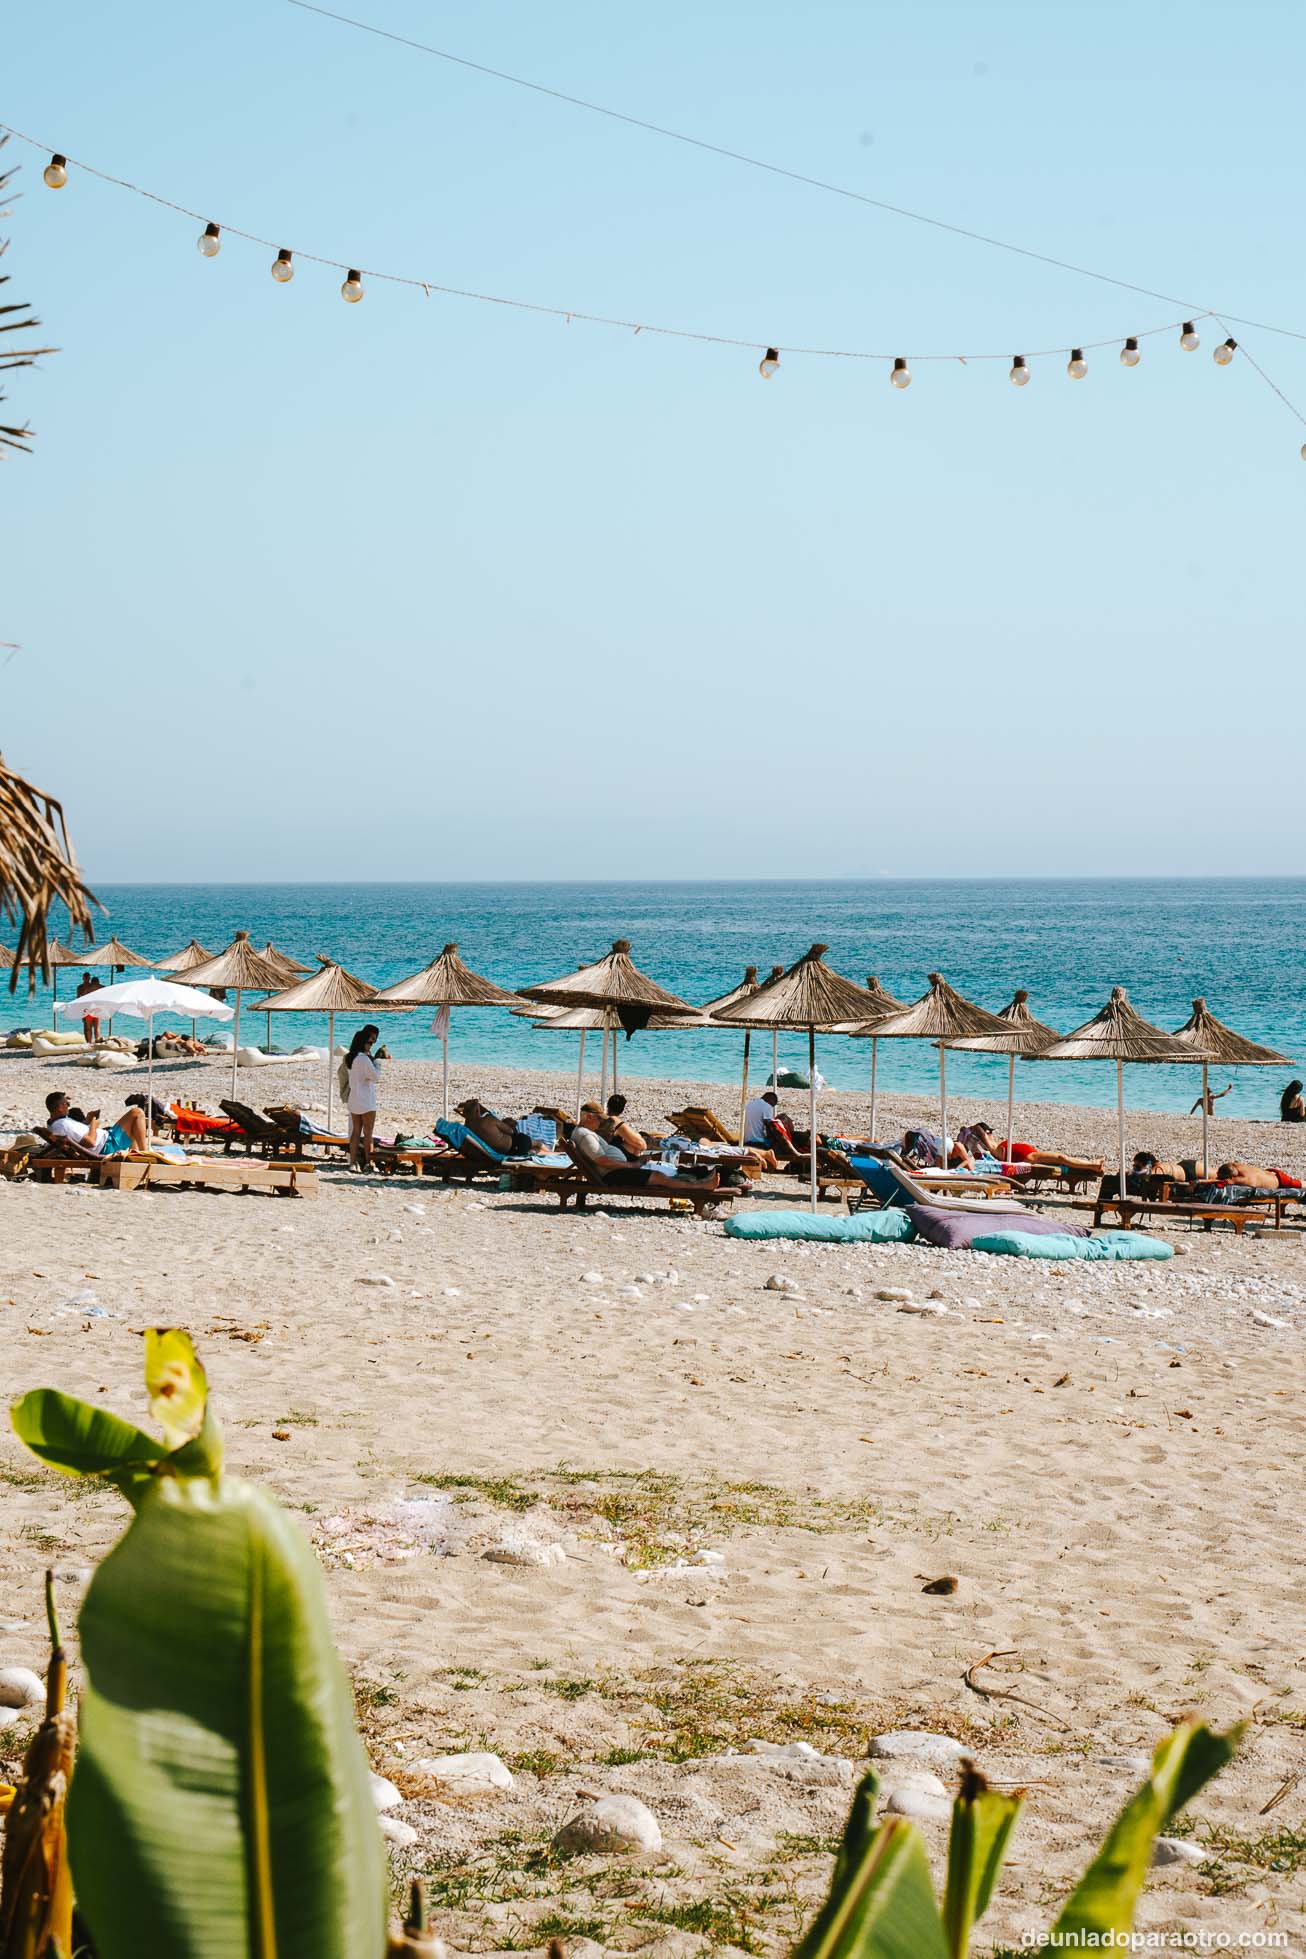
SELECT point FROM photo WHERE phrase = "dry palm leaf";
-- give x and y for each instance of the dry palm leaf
(36, 1892)
(37, 870)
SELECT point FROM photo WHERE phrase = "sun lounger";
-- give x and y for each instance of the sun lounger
(257, 1132)
(629, 1182)
(1239, 1216)
(281, 1178)
(936, 1187)
(701, 1126)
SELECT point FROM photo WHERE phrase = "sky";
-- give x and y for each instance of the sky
(424, 588)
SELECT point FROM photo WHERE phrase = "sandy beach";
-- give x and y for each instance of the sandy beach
(591, 1497)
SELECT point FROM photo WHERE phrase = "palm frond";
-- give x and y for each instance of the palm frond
(37, 871)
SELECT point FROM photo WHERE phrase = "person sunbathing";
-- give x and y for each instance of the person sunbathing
(1090, 1166)
(615, 1129)
(604, 1159)
(1249, 1175)
(88, 1135)
(502, 1136)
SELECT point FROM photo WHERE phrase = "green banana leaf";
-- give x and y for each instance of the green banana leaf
(78, 1439)
(982, 1822)
(1106, 1896)
(220, 1807)
(881, 1902)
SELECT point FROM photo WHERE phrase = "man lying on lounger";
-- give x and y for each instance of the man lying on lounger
(91, 1136)
(604, 1159)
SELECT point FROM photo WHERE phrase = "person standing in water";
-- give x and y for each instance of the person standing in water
(364, 1078)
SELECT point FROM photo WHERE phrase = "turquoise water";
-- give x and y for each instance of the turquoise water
(1237, 941)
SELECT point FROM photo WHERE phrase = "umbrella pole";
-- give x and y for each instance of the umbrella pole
(775, 1062)
(614, 1061)
(149, 1079)
(943, 1104)
(743, 1086)
(444, 1066)
(1120, 1119)
(235, 1044)
(811, 1106)
(1206, 1105)
(603, 1070)
(874, 1045)
(331, 1064)
(268, 1036)
(580, 1074)
(1011, 1101)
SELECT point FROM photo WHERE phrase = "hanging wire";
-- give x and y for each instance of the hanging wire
(569, 313)
(776, 170)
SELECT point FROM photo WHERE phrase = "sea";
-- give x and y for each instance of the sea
(1237, 942)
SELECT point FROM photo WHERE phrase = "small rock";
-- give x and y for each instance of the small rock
(402, 1835)
(1267, 1319)
(929, 1309)
(376, 1279)
(920, 1805)
(921, 1781)
(942, 1587)
(780, 1282)
(524, 1551)
(8, 1715)
(384, 1793)
(591, 1278)
(20, 1687)
(472, 1772)
(915, 1745)
(646, 1278)
(612, 1824)
(1132, 1764)
(1177, 1850)
(708, 1557)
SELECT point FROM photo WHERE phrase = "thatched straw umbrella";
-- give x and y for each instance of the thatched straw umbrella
(616, 982)
(330, 991)
(942, 1016)
(1210, 1038)
(866, 1031)
(745, 990)
(584, 1020)
(6, 959)
(809, 995)
(185, 961)
(56, 955)
(445, 984)
(37, 870)
(240, 967)
(1119, 1034)
(1025, 1036)
(114, 954)
(289, 969)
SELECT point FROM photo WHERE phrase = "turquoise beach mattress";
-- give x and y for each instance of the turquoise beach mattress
(869, 1228)
(1112, 1245)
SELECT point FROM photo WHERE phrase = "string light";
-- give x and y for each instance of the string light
(56, 171)
(352, 288)
(1129, 353)
(1019, 375)
(769, 363)
(209, 242)
(900, 373)
(1190, 339)
(1076, 366)
(282, 269)
(1224, 353)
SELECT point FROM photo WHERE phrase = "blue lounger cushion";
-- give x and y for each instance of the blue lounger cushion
(867, 1228)
(1112, 1245)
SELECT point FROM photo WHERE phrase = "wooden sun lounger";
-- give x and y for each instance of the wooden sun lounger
(1239, 1216)
(283, 1179)
(617, 1184)
(701, 1126)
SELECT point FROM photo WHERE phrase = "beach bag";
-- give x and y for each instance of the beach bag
(342, 1083)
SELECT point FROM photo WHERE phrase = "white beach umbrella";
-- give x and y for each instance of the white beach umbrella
(143, 998)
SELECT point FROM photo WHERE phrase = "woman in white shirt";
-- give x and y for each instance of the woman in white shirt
(364, 1075)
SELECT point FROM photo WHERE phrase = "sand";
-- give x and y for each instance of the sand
(1108, 1461)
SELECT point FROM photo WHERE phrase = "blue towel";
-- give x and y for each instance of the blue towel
(867, 1228)
(1112, 1245)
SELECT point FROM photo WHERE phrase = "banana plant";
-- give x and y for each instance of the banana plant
(881, 1903)
(220, 1807)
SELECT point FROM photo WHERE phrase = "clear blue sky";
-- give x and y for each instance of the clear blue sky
(420, 588)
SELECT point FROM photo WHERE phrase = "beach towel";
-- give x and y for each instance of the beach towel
(956, 1231)
(1113, 1245)
(867, 1228)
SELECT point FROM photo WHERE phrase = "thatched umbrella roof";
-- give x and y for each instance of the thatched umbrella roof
(447, 982)
(239, 965)
(6, 959)
(56, 954)
(1024, 1035)
(613, 981)
(863, 1029)
(330, 990)
(939, 1015)
(1118, 1033)
(809, 995)
(112, 953)
(576, 1019)
(190, 956)
(1211, 1040)
(288, 967)
(747, 986)
(37, 870)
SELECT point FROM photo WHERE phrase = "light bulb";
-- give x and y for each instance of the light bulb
(901, 375)
(1189, 339)
(1076, 366)
(769, 363)
(1019, 375)
(1224, 353)
(56, 171)
(209, 243)
(282, 269)
(352, 289)
(1129, 354)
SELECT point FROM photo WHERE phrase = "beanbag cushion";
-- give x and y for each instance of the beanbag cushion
(1113, 1245)
(956, 1231)
(867, 1228)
